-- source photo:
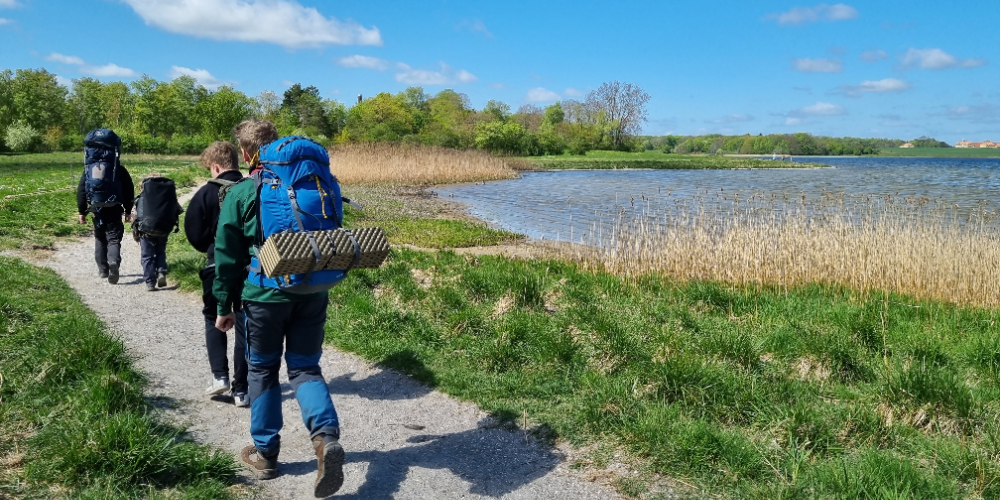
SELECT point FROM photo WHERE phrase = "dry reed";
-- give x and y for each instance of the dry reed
(919, 247)
(383, 163)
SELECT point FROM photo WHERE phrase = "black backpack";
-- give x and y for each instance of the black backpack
(156, 209)
(101, 148)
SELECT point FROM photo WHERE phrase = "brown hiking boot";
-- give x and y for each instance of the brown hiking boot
(329, 465)
(264, 467)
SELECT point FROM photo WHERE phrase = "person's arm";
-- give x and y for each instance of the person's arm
(81, 198)
(198, 223)
(128, 189)
(231, 251)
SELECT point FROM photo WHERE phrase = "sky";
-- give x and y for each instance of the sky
(886, 68)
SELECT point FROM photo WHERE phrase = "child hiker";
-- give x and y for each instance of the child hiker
(157, 212)
(280, 321)
(105, 190)
(200, 224)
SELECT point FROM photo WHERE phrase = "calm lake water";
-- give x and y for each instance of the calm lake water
(553, 205)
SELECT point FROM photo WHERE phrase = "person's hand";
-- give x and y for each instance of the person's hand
(82, 218)
(225, 323)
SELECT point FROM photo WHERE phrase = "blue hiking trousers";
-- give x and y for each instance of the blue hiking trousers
(294, 329)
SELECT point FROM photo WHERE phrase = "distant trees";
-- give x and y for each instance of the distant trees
(929, 142)
(799, 144)
(624, 108)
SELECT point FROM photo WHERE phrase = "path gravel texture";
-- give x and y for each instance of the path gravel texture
(402, 439)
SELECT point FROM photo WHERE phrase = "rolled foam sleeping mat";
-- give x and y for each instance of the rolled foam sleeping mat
(292, 253)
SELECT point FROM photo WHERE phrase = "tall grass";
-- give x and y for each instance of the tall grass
(918, 247)
(418, 165)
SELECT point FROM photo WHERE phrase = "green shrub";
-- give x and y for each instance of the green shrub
(21, 137)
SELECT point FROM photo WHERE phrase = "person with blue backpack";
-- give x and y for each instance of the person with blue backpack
(106, 191)
(292, 190)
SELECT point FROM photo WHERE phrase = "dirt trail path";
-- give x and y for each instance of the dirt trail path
(454, 454)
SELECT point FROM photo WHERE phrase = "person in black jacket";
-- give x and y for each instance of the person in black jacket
(108, 226)
(199, 226)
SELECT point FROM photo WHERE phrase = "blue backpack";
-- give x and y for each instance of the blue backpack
(101, 152)
(296, 193)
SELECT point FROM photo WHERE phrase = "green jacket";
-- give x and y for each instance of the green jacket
(234, 241)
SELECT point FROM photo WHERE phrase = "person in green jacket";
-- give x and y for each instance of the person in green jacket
(277, 322)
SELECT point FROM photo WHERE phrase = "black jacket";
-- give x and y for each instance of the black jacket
(203, 214)
(109, 213)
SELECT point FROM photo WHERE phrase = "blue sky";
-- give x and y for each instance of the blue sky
(883, 68)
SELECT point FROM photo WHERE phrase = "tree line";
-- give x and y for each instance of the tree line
(799, 144)
(38, 113)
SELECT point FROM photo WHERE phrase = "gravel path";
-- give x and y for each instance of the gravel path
(453, 454)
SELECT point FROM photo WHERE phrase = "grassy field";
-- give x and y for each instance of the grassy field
(38, 193)
(941, 152)
(607, 160)
(743, 392)
(73, 420)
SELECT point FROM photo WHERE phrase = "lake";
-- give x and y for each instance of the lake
(554, 205)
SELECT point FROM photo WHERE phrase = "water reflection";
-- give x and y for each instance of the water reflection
(558, 205)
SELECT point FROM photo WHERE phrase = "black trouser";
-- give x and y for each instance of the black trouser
(215, 339)
(108, 242)
(154, 257)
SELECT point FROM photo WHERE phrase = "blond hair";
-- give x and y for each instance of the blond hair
(252, 134)
(220, 153)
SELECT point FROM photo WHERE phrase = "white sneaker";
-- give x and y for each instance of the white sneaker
(217, 386)
(240, 399)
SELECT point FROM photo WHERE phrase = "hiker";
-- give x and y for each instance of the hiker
(105, 190)
(278, 320)
(157, 213)
(200, 224)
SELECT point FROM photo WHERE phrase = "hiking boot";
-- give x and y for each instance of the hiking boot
(240, 399)
(329, 465)
(217, 385)
(264, 467)
(103, 273)
(161, 280)
(113, 274)
(150, 287)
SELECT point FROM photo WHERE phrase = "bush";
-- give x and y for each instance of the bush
(152, 145)
(187, 144)
(21, 137)
(71, 142)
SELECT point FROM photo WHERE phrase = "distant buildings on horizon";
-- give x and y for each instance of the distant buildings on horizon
(968, 145)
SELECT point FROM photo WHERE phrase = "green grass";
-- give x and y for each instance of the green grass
(815, 392)
(73, 421)
(606, 160)
(942, 152)
(49, 212)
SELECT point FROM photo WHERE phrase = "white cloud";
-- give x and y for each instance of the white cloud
(282, 22)
(65, 82)
(792, 120)
(4, 21)
(8, 4)
(807, 65)
(366, 62)
(976, 113)
(541, 94)
(64, 59)
(733, 118)
(572, 92)
(873, 86)
(476, 25)
(446, 76)
(202, 76)
(821, 12)
(466, 77)
(821, 109)
(108, 70)
(936, 59)
(498, 85)
(874, 55)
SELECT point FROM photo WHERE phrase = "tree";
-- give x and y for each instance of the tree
(497, 111)
(554, 114)
(268, 105)
(38, 99)
(624, 108)
(381, 118)
(222, 110)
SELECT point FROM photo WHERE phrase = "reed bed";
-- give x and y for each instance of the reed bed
(382, 163)
(920, 247)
